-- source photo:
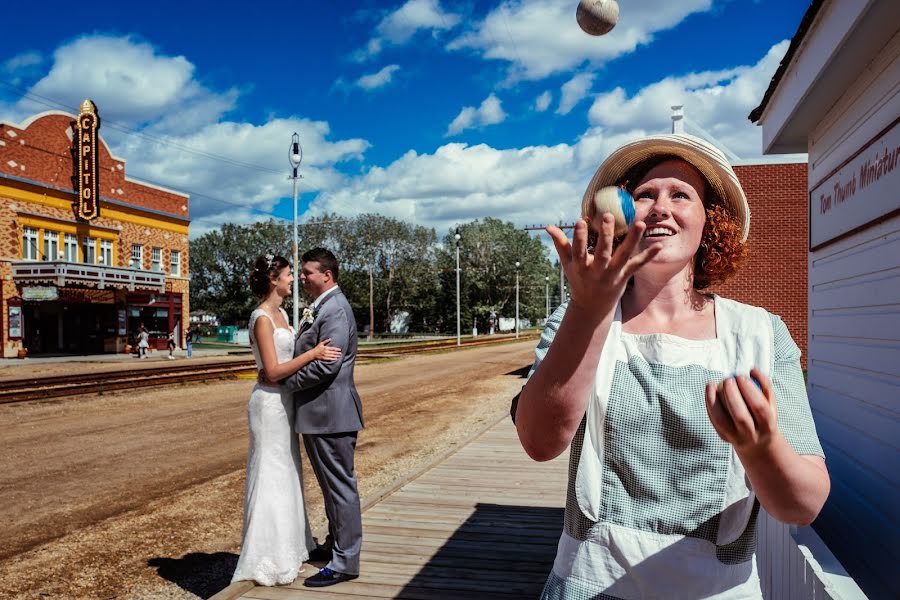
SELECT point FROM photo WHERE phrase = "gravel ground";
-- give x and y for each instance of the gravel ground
(139, 494)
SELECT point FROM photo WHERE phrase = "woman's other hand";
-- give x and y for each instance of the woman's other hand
(742, 413)
(597, 280)
(326, 353)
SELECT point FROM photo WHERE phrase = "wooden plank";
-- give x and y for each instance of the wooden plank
(483, 524)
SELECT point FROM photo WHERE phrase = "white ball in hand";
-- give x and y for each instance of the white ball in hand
(618, 203)
(597, 17)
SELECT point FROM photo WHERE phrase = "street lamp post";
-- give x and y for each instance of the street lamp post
(517, 299)
(562, 284)
(457, 237)
(547, 294)
(295, 155)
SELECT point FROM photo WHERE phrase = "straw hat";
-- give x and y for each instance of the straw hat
(708, 159)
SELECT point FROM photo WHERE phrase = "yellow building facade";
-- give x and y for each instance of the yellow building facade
(87, 254)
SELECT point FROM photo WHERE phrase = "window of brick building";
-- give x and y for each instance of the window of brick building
(106, 252)
(89, 249)
(51, 245)
(70, 247)
(156, 260)
(137, 256)
(175, 263)
(29, 243)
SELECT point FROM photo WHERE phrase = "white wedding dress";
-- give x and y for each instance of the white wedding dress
(277, 537)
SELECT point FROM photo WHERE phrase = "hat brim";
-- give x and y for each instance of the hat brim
(705, 157)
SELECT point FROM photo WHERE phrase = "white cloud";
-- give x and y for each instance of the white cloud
(134, 83)
(21, 66)
(574, 91)
(459, 182)
(544, 184)
(399, 27)
(541, 37)
(22, 61)
(454, 183)
(489, 113)
(717, 100)
(181, 129)
(379, 79)
(543, 101)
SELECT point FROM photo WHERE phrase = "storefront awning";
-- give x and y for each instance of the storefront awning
(62, 273)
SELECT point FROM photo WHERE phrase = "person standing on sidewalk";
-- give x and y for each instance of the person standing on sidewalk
(189, 341)
(143, 341)
(170, 344)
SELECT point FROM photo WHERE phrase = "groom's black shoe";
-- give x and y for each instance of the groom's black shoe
(319, 554)
(327, 577)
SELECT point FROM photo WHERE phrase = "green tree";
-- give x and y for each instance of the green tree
(220, 263)
(395, 256)
(489, 250)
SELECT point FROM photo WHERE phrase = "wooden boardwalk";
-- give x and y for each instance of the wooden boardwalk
(482, 524)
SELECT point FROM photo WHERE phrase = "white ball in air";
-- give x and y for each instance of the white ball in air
(597, 17)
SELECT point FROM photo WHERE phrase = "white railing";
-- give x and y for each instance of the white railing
(63, 273)
(795, 564)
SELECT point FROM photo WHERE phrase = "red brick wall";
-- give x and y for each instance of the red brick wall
(775, 275)
(42, 152)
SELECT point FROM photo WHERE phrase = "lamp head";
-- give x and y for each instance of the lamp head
(457, 236)
(517, 264)
(295, 154)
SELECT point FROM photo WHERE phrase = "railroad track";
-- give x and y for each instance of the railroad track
(40, 388)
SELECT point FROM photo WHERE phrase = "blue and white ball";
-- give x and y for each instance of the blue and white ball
(616, 201)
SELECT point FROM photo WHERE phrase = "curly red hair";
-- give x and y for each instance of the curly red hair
(721, 251)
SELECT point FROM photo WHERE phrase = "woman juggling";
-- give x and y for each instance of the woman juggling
(685, 411)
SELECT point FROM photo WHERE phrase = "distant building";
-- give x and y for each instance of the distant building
(836, 96)
(202, 317)
(88, 254)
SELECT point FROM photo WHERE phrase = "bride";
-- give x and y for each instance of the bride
(276, 535)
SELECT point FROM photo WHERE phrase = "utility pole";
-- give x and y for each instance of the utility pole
(457, 236)
(295, 156)
(371, 305)
(517, 299)
(562, 274)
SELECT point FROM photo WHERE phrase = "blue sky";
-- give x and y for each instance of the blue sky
(430, 111)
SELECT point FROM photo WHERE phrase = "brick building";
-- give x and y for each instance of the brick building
(87, 254)
(774, 276)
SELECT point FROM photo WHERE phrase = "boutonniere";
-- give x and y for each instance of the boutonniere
(309, 315)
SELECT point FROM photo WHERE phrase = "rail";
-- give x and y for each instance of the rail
(41, 388)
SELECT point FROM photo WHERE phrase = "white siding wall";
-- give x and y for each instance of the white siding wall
(795, 564)
(854, 347)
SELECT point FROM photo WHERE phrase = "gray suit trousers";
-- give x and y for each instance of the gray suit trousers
(331, 457)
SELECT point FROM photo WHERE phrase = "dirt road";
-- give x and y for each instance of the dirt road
(138, 494)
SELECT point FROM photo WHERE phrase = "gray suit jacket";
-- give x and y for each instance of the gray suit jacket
(324, 392)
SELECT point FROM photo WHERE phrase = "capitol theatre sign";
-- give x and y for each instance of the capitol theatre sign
(88, 156)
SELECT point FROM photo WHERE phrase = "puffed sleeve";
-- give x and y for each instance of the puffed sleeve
(795, 418)
(550, 329)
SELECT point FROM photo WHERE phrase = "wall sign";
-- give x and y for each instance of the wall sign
(40, 294)
(88, 156)
(15, 321)
(861, 191)
(86, 296)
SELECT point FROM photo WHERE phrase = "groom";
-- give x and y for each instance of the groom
(329, 415)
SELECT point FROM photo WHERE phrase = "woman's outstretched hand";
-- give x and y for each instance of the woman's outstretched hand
(326, 353)
(597, 281)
